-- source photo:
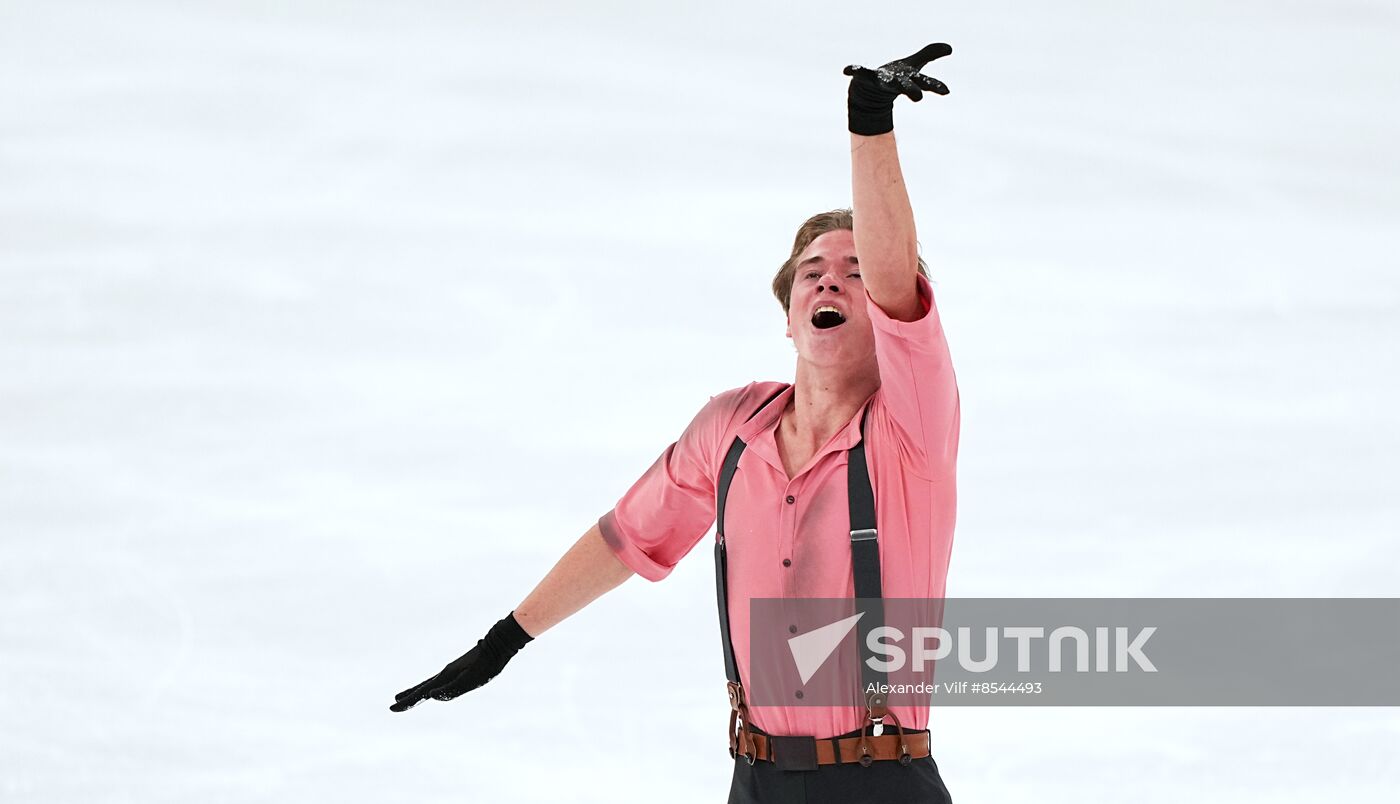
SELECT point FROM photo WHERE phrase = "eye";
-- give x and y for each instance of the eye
(812, 275)
(854, 274)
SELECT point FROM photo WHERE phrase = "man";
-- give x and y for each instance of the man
(873, 400)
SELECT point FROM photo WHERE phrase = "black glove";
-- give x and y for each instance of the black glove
(870, 98)
(474, 668)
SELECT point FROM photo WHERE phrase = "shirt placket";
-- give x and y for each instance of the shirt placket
(787, 552)
(787, 530)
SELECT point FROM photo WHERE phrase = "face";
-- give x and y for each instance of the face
(828, 279)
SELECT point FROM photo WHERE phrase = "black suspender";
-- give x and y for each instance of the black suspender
(731, 462)
(865, 556)
(726, 474)
(865, 552)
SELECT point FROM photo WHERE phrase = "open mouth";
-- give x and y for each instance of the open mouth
(827, 317)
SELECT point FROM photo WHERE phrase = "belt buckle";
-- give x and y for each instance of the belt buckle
(793, 753)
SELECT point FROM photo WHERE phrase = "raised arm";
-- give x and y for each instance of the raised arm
(884, 226)
(886, 244)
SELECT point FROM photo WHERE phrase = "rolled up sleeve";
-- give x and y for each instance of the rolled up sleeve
(917, 384)
(671, 506)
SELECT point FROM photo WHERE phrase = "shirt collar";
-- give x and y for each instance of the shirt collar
(760, 432)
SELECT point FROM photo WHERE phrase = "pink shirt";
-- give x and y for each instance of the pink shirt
(911, 449)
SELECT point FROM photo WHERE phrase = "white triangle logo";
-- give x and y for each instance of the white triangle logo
(811, 650)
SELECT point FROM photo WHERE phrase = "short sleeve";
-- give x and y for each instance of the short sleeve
(671, 506)
(917, 385)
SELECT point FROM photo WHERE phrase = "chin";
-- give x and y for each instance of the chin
(835, 358)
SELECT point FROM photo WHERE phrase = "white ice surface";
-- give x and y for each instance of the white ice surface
(326, 327)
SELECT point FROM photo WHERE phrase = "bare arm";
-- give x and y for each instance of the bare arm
(884, 224)
(585, 573)
(886, 244)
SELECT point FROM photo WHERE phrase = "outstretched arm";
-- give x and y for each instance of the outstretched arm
(587, 571)
(886, 244)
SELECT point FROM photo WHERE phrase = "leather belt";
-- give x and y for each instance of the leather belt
(806, 753)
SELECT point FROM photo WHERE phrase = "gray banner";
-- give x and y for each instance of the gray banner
(1079, 651)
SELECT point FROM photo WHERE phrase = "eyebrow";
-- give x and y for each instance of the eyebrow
(819, 258)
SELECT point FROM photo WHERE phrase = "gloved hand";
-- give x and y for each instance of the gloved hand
(471, 670)
(870, 97)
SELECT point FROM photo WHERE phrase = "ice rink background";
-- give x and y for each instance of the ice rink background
(325, 328)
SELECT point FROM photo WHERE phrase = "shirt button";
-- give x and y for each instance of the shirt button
(799, 694)
(787, 562)
(791, 499)
(792, 629)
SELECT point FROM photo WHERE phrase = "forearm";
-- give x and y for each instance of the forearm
(586, 572)
(886, 243)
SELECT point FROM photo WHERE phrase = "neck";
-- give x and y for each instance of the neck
(824, 398)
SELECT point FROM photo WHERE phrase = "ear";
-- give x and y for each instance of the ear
(789, 324)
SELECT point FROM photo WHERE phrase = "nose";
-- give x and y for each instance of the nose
(828, 284)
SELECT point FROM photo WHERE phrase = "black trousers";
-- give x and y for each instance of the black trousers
(883, 782)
